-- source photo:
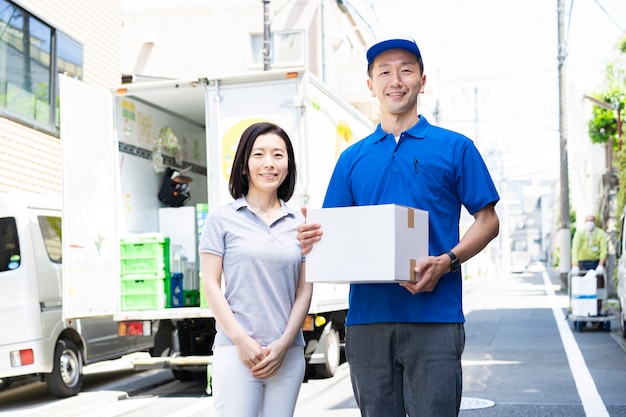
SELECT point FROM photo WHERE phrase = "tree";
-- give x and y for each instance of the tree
(603, 127)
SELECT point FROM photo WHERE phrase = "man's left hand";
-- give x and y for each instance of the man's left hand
(428, 273)
(599, 270)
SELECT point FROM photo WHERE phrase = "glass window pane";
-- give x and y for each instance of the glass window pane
(256, 49)
(289, 48)
(10, 256)
(286, 48)
(51, 231)
(69, 60)
(69, 56)
(25, 52)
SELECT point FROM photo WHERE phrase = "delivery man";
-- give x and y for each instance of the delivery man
(589, 247)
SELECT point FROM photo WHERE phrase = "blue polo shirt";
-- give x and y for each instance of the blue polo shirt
(429, 168)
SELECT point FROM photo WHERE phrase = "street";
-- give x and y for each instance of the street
(523, 354)
(522, 358)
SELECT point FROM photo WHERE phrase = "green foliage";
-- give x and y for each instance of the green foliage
(603, 125)
(620, 162)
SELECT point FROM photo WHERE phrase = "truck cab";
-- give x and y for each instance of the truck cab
(35, 340)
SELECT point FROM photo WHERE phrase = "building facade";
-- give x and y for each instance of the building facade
(38, 40)
(213, 38)
(99, 42)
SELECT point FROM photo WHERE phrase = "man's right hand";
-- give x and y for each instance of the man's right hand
(308, 234)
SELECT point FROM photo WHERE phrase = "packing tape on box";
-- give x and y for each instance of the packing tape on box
(413, 262)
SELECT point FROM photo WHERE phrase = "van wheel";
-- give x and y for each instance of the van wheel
(333, 355)
(66, 378)
(622, 326)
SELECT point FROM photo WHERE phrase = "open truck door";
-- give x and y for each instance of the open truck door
(90, 190)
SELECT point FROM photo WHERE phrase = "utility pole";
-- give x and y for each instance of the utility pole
(564, 224)
(266, 35)
(325, 40)
(476, 113)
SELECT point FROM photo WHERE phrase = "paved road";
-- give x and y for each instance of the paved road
(522, 358)
(523, 354)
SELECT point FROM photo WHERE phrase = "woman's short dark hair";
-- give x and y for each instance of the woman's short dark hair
(239, 183)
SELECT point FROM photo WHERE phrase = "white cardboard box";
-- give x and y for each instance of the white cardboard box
(584, 297)
(584, 307)
(584, 285)
(381, 243)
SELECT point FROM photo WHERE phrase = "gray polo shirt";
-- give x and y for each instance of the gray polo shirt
(261, 265)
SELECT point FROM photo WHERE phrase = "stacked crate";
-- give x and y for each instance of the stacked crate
(145, 272)
(202, 210)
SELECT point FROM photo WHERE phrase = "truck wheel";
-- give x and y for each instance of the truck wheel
(163, 339)
(332, 354)
(184, 375)
(66, 378)
(5, 383)
(622, 325)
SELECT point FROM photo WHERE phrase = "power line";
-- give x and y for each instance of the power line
(609, 16)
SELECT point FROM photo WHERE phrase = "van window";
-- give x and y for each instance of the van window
(50, 227)
(10, 257)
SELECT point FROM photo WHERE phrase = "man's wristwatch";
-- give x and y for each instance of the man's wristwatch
(454, 261)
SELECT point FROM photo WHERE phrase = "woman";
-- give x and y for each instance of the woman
(258, 354)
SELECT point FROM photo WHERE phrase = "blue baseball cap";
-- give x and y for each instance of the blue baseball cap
(392, 41)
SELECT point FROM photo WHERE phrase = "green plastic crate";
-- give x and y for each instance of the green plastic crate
(144, 244)
(146, 253)
(138, 284)
(191, 298)
(137, 266)
(154, 301)
(203, 301)
(150, 293)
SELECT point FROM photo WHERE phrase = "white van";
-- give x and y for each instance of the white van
(34, 338)
(620, 249)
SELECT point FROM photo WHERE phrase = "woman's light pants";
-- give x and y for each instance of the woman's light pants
(236, 393)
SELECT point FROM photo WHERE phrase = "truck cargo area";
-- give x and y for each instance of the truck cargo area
(143, 165)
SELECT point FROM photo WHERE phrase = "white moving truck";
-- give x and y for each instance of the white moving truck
(35, 341)
(118, 148)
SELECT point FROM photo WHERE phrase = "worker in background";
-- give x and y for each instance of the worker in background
(589, 247)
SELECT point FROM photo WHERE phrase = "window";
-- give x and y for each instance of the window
(10, 256)
(50, 227)
(286, 49)
(31, 55)
(519, 245)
